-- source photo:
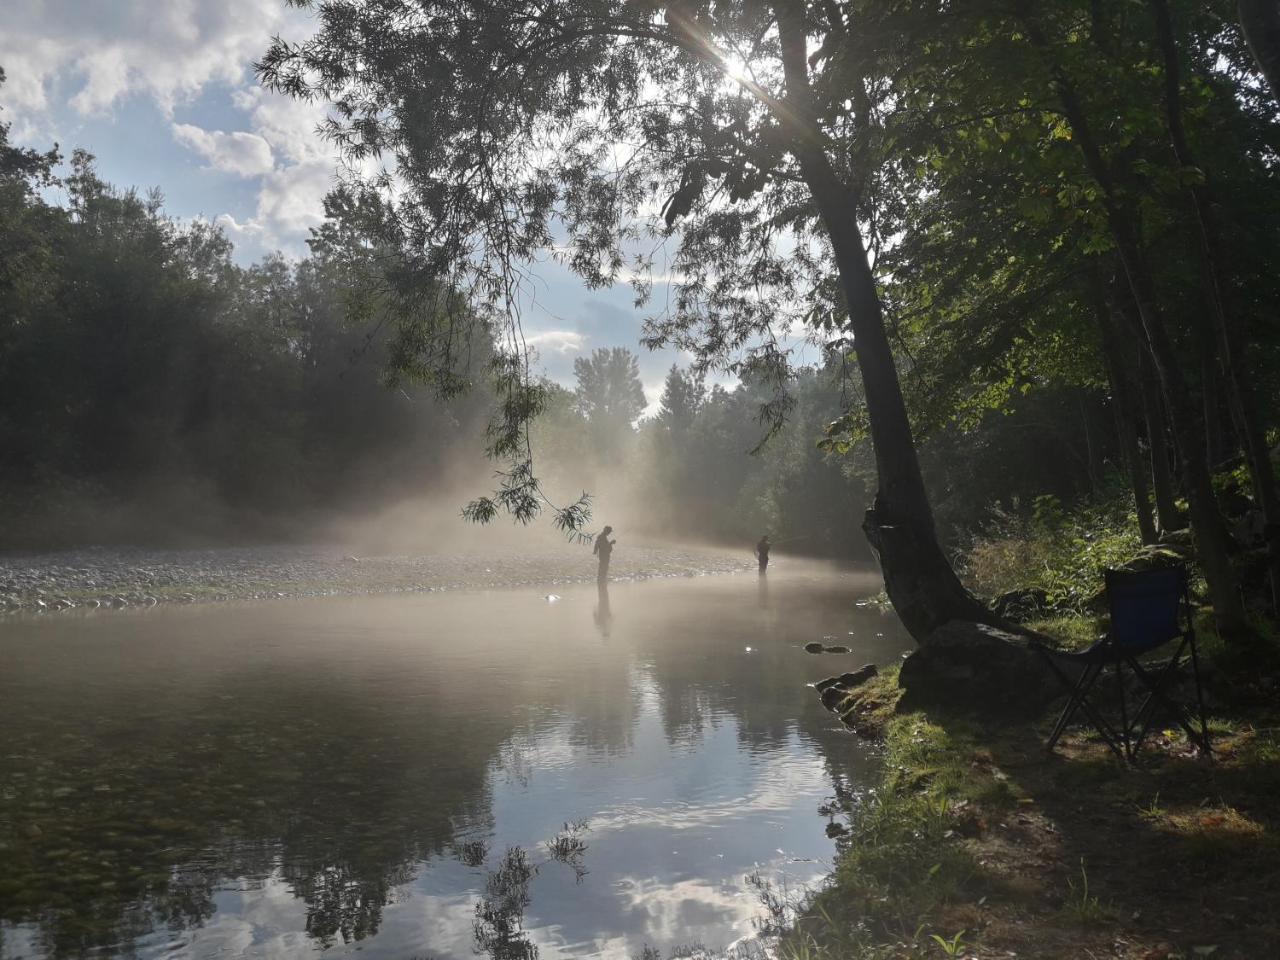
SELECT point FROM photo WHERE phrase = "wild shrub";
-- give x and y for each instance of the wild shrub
(1052, 550)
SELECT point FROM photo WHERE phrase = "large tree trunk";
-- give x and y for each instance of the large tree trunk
(1212, 542)
(1260, 20)
(1124, 406)
(1225, 326)
(1131, 453)
(924, 589)
(1168, 517)
(1211, 386)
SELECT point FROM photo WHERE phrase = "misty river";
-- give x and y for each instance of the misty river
(506, 772)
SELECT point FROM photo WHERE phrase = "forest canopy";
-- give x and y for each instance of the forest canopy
(1031, 248)
(979, 201)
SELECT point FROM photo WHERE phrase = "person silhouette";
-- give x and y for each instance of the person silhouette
(762, 552)
(604, 550)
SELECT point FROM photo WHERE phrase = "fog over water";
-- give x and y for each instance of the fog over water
(382, 774)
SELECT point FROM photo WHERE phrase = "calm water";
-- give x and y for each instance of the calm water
(383, 775)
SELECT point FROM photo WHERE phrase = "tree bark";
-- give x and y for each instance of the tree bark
(1260, 20)
(1125, 407)
(1127, 433)
(920, 582)
(1212, 542)
(1214, 437)
(1168, 517)
(1226, 327)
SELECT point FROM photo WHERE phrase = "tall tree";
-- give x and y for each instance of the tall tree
(1260, 20)
(1040, 145)
(507, 127)
(610, 396)
(683, 393)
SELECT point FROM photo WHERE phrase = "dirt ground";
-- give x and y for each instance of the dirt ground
(1073, 854)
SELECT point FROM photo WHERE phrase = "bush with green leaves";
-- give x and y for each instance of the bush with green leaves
(1048, 548)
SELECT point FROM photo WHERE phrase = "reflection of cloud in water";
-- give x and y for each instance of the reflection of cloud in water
(264, 921)
(261, 919)
(776, 782)
(684, 910)
(352, 758)
(523, 754)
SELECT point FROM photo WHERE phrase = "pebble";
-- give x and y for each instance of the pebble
(121, 578)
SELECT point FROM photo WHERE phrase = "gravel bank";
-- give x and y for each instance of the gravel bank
(100, 577)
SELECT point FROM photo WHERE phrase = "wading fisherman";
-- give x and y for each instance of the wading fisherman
(604, 549)
(762, 552)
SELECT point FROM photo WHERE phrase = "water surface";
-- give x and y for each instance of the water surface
(382, 775)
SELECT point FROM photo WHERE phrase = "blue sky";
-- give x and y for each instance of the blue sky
(163, 93)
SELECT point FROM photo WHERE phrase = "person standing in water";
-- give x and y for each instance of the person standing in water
(762, 552)
(604, 549)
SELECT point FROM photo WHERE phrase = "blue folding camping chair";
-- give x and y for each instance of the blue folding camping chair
(1149, 610)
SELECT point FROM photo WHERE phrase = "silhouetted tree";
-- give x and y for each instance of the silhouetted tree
(609, 395)
(683, 393)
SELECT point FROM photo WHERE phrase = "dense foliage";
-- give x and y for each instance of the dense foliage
(1034, 245)
(151, 389)
(988, 208)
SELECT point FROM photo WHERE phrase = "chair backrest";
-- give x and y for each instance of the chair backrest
(1145, 606)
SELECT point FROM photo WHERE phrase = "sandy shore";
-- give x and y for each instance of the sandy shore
(100, 577)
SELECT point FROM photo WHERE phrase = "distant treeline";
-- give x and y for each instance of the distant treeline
(150, 389)
(702, 466)
(153, 391)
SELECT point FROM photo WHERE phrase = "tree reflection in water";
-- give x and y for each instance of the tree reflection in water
(152, 761)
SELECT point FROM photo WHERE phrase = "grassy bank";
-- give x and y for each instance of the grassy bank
(978, 843)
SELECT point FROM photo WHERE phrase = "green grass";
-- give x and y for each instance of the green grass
(1082, 907)
(914, 866)
(902, 858)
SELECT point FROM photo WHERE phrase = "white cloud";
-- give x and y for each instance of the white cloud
(561, 342)
(289, 125)
(290, 203)
(653, 396)
(244, 154)
(292, 198)
(91, 55)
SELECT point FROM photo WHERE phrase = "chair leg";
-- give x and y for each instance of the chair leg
(1082, 683)
(1109, 736)
(1195, 674)
(1124, 714)
(1078, 701)
(1146, 714)
(1180, 714)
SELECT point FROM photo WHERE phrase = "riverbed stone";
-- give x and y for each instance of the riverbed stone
(129, 577)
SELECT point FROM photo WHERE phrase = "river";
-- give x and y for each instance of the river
(507, 772)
